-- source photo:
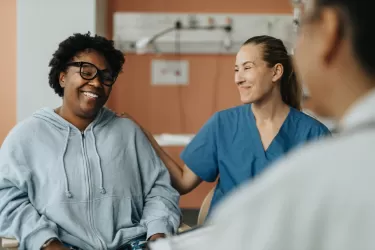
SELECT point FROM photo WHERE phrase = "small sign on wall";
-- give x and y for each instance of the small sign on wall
(169, 72)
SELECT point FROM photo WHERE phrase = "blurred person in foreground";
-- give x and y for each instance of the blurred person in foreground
(320, 197)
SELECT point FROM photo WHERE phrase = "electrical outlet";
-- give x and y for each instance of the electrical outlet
(169, 72)
(193, 21)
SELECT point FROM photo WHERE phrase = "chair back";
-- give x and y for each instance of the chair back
(205, 207)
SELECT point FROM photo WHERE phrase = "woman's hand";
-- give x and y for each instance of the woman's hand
(55, 245)
(156, 236)
(125, 115)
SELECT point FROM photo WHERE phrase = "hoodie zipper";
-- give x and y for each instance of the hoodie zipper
(89, 192)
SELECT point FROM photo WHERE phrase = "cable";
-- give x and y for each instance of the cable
(217, 77)
(227, 35)
(178, 26)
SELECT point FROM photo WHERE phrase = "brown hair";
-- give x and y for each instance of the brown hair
(274, 51)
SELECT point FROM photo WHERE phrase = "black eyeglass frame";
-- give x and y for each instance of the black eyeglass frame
(99, 73)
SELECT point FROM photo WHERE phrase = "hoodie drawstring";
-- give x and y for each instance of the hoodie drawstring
(67, 191)
(102, 190)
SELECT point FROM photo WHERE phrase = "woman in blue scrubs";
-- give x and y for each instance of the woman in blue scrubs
(239, 143)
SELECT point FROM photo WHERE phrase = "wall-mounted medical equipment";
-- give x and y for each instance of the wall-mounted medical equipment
(183, 33)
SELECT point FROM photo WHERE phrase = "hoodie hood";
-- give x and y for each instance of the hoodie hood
(103, 117)
(49, 115)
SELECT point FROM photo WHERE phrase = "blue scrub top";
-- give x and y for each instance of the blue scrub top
(229, 146)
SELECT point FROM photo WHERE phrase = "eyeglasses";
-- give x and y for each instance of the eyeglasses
(89, 71)
(300, 7)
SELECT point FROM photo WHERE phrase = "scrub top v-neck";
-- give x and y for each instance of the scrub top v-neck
(278, 144)
(229, 146)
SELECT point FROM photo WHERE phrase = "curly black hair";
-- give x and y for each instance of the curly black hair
(77, 43)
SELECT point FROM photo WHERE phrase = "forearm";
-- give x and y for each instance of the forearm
(160, 226)
(198, 239)
(161, 213)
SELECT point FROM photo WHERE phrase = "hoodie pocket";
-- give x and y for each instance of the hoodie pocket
(72, 219)
(117, 218)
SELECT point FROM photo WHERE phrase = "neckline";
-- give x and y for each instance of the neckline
(257, 141)
(67, 123)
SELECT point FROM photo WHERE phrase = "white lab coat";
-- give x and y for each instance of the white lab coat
(320, 197)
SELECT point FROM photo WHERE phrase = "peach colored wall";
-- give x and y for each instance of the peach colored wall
(8, 82)
(182, 109)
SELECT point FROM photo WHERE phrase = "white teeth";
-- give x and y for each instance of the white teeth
(88, 94)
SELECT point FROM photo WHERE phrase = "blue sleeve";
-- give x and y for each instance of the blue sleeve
(201, 153)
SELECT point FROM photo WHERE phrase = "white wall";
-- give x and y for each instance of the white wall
(41, 26)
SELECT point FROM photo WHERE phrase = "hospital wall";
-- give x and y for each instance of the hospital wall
(25, 51)
(30, 33)
(8, 83)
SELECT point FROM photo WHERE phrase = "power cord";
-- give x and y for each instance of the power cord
(178, 26)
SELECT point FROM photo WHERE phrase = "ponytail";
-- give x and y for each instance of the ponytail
(290, 89)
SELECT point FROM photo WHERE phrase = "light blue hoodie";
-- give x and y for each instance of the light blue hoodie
(94, 190)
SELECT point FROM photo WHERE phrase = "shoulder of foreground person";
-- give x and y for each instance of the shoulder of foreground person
(320, 161)
(317, 187)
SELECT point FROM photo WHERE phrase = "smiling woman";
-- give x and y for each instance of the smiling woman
(83, 177)
(82, 72)
(263, 64)
(239, 143)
